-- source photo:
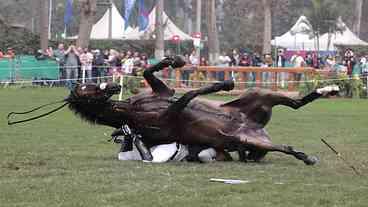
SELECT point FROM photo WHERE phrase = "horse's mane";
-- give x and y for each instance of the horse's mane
(84, 111)
(91, 110)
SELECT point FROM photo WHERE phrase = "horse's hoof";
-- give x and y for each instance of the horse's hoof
(329, 90)
(178, 62)
(311, 160)
(166, 62)
(228, 85)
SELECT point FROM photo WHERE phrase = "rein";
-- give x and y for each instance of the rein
(11, 114)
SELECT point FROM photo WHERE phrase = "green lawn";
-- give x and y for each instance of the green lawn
(61, 161)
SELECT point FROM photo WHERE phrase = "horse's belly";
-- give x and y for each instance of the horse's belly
(205, 131)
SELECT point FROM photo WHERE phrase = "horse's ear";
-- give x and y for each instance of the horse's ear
(74, 86)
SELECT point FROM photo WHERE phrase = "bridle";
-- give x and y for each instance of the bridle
(73, 98)
(11, 114)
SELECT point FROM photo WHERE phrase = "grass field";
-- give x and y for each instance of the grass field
(61, 161)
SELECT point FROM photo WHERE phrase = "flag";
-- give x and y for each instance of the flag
(128, 5)
(68, 14)
(143, 16)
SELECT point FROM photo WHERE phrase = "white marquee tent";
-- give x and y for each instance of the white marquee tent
(299, 37)
(100, 30)
(344, 38)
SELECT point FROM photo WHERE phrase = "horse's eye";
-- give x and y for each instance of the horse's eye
(103, 86)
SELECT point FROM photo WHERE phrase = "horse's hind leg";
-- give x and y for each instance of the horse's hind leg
(297, 103)
(257, 104)
(265, 146)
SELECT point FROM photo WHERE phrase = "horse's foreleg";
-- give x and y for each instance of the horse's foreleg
(183, 101)
(265, 146)
(307, 159)
(156, 84)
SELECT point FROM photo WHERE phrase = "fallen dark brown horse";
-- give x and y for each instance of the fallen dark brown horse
(160, 117)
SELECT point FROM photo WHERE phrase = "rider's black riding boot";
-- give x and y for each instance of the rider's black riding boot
(127, 144)
(143, 150)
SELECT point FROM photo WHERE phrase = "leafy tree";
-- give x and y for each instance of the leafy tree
(357, 16)
(242, 25)
(17, 37)
(323, 16)
(245, 25)
(243, 22)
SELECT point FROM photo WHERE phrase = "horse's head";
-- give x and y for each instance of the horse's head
(92, 103)
(94, 92)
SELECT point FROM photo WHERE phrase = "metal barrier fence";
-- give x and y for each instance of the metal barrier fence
(189, 76)
(274, 78)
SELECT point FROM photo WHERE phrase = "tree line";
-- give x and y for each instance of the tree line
(225, 24)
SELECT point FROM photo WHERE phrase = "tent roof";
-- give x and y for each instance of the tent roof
(344, 38)
(170, 29)
(302, 26)
(100, 30)
(298, 37)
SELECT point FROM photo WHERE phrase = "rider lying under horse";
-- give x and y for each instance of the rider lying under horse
(160, 153)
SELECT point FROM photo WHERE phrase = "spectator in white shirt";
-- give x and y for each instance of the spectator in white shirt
(128, 63)
(193, 58)
(86, 59)
(297, 60)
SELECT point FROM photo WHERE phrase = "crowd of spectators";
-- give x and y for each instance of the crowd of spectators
(10, 53)
(297, 59)
(346, 63)
(94, 65)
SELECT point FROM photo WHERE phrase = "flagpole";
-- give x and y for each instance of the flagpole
(50, 18)
(64, 31)
(110, 20)
(198, 26)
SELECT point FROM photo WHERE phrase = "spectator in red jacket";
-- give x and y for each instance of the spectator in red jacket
(10, 53)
